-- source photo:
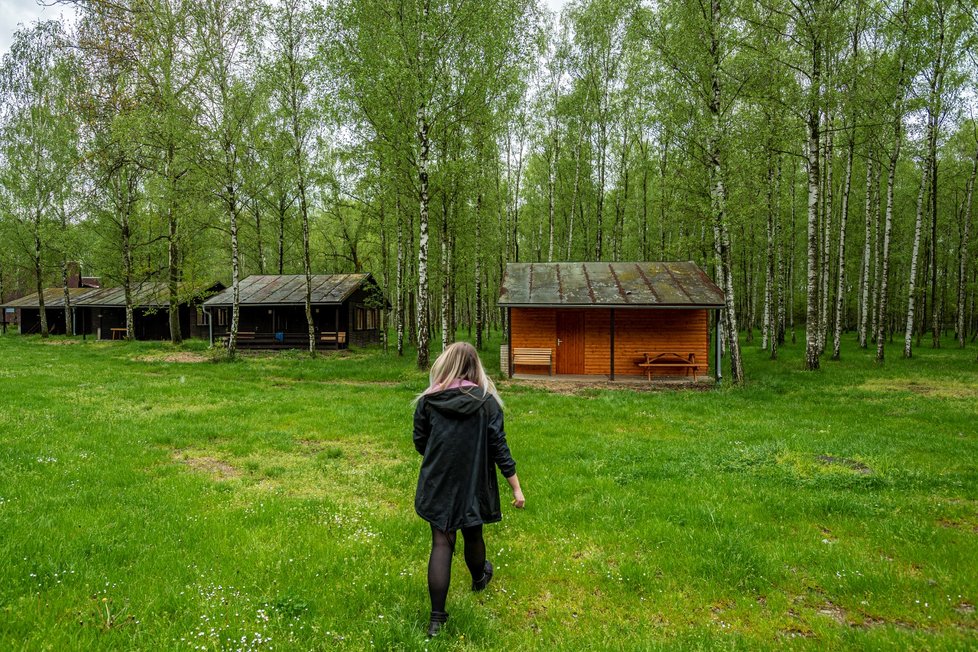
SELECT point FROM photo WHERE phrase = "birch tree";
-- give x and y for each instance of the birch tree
(37, 141)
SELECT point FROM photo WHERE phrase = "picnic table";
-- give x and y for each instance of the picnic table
(651, 360)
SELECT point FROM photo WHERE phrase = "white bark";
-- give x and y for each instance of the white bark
(867, 249)
(840, 292)
(911, 295)
(963, 253)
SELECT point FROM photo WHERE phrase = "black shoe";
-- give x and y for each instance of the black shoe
(438, 618)
(478, 585)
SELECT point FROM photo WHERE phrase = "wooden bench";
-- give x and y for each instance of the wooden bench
(333, 337)
(668, 359)
(242, 335)
(534, 357)
(118, 333)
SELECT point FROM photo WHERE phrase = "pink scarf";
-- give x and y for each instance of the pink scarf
(458, 383)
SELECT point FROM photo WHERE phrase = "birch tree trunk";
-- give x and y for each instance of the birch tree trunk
(864, 307)
(811, 313)
(766, 324)
(963, 253)
(422, 305)
(881, 318)
(840, 292)
(235, 278)
(478, 271)
(934, 110)
(446, 273)
(777, 335)
(399, 281)
(718, 198)
(877, 254)
(912, 284)
(172, 252)
(39, 276)
(826, 235)
(127, 267)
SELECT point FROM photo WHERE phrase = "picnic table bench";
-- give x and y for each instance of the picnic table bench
(534, 357)
(652, 360)
(118, 333)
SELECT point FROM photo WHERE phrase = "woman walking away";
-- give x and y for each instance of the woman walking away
(458, 428)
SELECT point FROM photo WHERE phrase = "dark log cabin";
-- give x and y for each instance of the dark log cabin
(345, 307)
(609, 320)
(28, 311)
(102, 312)
(22, 303)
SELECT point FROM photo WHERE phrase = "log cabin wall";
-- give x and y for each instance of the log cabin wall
(597, 341)
(533, 328)
(637, 331)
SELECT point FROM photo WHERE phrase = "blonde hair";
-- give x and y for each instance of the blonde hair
(460, 361)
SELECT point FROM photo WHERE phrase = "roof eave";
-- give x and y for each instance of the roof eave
(632, 306)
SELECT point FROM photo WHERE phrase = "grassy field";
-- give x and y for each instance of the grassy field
(152, 499)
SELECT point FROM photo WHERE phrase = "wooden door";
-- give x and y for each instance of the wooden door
(570, 342)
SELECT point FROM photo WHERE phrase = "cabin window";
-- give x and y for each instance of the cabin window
(371, 319)
(201, 317)
(359, 317)
(222, 317)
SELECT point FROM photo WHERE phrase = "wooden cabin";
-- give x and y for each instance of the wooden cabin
(26, 311)
(345, 308)
(609, 320)
(102, 312)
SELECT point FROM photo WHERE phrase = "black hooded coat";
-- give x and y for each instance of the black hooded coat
(460, 434)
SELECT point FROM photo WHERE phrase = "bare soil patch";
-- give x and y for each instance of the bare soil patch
(212, 466)
(943, 389)
(854, 465)
(176, 356)
(60, 342)
(957, 524)
(583, 387)
(835, 612)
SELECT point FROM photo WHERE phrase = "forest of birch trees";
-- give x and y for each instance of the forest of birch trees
(817, 157)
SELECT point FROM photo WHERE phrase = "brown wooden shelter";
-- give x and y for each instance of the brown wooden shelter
(28, 311)
(102, 311)
(608, 320)
(345, 308)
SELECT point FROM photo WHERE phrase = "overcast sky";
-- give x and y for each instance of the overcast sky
(16, 12)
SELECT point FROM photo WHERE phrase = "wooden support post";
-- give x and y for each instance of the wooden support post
(717, 372)
(509, 320)
(336, 327)
(612, 344)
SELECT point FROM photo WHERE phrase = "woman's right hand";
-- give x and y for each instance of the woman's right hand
(518, 500)
(514, 484)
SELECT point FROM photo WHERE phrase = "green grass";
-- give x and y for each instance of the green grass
(268, 504)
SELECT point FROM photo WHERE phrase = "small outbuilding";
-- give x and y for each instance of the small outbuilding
(27, 311)
(102, 311)
(608, 320)
(345, 309)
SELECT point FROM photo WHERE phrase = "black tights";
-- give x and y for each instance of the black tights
(440, 562)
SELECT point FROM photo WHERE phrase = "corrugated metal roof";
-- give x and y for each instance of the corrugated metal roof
(290, 289)
(53, 298)
(143, 294)
(645, 284)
